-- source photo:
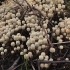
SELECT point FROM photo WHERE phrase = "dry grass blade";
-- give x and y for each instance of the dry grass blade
(14, 64)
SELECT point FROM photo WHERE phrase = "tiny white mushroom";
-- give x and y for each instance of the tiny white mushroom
(2, 53)
(41, 57)
(25, 50)
(15, 48)
(12, 44)
(33, 46)
(26, 56)
(61, 47)
(22, 46)
(17, 43)
(30, 54)
(21, 53)
(46, 65)
(43, 54)
(5, 50)
(51, 59)
(42, 65)
(67, 59)
(12, 52)
(52, 50)
(18, 47)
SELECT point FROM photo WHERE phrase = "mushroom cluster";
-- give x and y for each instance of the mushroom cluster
(32, 17)
(62, 30)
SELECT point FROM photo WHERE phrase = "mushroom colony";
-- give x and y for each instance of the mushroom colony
(27, 26)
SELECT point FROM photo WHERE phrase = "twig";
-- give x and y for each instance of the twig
(14, 64)
(46, 35)
(31, 7)
(38, 65)
(32, 66)
(33, 14)
(23, 14)
(17, 2)
(17, 66)
(39, 12)
(44, 61)
(20, 8)
(62, 43)
(51, 22)
(28, 4)
(65, 53)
